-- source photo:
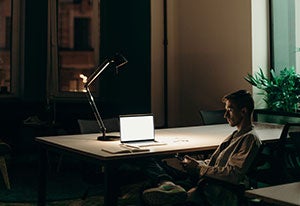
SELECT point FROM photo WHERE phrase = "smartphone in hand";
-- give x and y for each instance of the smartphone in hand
(179, 157)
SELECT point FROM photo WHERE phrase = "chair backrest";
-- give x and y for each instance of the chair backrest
(91, 126)
(210, 117)
(295, 137)
(258, 162)
(287, 153)
(289, 128)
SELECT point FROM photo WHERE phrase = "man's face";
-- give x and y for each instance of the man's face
(233, 114)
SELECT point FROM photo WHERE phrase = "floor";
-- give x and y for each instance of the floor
(129, 193)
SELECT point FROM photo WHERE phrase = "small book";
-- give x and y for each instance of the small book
(124, 149)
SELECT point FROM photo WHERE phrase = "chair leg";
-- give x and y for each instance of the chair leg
(3, 169)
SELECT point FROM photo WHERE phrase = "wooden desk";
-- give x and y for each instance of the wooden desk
(287, 194)
(179, 140)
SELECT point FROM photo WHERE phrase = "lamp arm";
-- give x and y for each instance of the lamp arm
(119, 61)
(95, 111)
(100, 68)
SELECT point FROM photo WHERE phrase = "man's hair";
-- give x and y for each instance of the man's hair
(241, 98)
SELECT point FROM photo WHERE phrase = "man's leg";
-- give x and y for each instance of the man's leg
(155, 171)
(165, 192)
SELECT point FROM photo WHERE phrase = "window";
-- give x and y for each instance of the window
(10, 13)
(74, 50)
(82, 39)
(285, 34)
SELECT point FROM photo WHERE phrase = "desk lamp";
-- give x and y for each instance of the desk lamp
(117, 60)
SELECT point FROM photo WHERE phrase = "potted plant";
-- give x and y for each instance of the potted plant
(282, 92)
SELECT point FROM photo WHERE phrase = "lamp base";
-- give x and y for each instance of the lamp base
(108, 138)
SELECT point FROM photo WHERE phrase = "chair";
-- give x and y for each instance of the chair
(4, 150)
(258, 162)
(88, 126)
(210, 117)
(283, 158)
(295, 138)
(91, 126)
(291, 153)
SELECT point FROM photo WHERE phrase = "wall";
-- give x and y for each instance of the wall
(125, 28)
(209, 54)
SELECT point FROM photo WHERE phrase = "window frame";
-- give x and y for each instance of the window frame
(53, 90)
(16, 49)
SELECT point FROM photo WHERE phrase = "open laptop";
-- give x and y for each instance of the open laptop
(137, 130)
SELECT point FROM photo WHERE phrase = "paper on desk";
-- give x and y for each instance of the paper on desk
(123, 149)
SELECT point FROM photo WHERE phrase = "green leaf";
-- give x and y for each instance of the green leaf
(281, 92)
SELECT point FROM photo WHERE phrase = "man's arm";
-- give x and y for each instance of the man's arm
(236, 166)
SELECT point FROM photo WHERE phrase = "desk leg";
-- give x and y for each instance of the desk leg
(42, 177)
(110, 186)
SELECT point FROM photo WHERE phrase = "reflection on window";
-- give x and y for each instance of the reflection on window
(5, 46)
(77, 43)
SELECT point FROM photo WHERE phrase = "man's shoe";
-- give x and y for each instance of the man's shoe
(166, 194)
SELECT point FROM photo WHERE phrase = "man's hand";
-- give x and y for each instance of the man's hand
(191, 165)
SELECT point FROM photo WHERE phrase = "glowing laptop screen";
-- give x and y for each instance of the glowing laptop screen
(136, 127)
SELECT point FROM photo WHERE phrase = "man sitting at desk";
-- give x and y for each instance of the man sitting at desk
(229, 163)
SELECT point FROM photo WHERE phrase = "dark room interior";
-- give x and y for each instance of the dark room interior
(183, 57)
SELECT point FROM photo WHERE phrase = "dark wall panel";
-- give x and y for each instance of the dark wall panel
(125, 28)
